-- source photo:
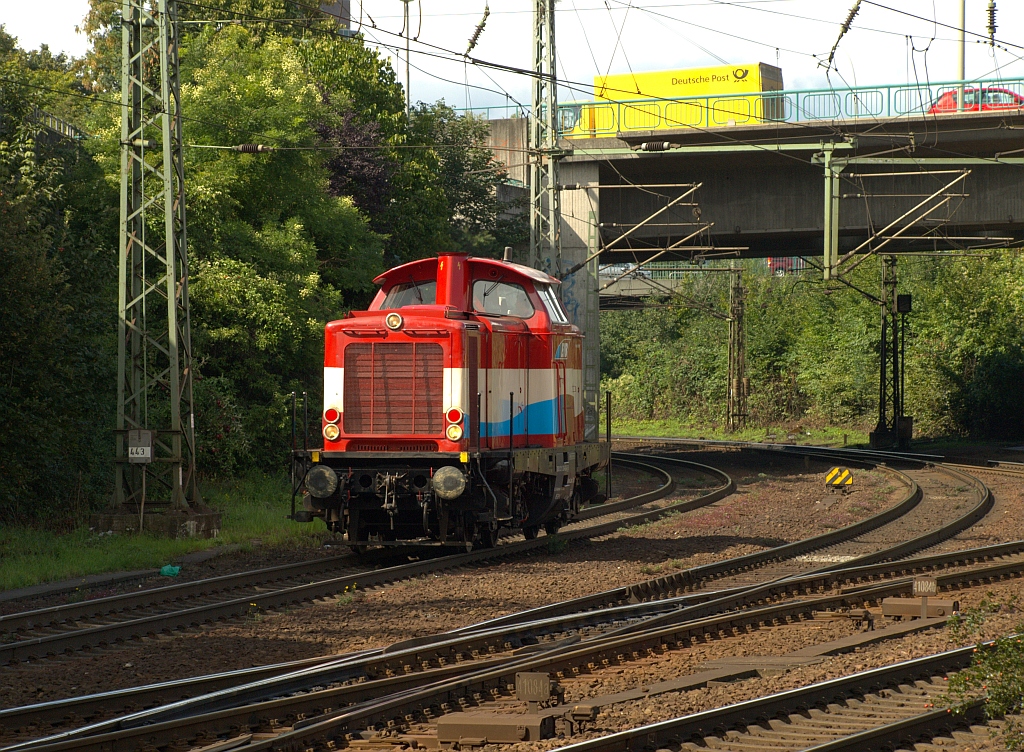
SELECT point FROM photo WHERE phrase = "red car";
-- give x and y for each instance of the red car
(992, 98)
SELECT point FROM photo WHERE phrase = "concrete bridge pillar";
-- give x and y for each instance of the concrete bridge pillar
(580, 241)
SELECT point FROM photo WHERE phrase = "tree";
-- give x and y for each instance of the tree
(56, 335)
(274, 253)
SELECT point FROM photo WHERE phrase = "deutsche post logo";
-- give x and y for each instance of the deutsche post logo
(740, 73)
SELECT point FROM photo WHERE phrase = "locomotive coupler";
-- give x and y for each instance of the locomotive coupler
(387, 483)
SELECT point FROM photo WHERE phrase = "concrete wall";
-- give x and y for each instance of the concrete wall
(579, 236)
(507, 140)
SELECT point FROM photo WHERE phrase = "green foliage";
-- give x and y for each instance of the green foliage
(56, 264)
(996, 674)
(279, 243)
(467, 173)
(670, 362)
(812, 353)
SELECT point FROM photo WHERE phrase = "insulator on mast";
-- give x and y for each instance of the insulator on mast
(479, 29)
(992, 23)
(252, 148)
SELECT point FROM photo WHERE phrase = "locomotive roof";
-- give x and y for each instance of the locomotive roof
(428, 267)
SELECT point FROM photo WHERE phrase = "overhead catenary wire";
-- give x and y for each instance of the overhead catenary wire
(586, 38)
(571, 85)
(482, 65)
(618, 42)
(943, 25)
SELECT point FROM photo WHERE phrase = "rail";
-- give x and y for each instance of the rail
(606, 118)
(380, 699)
(739, 716)
(104, 621)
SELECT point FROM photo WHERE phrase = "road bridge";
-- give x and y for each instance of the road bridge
(905, 180)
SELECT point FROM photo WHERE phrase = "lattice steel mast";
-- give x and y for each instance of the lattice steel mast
(154, 358)
(545, 213)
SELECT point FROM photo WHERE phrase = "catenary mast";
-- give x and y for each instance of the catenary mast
(545, 214)
(154, 358)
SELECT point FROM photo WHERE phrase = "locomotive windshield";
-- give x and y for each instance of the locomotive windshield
(553, 304)
(410, 293)
(501, 299)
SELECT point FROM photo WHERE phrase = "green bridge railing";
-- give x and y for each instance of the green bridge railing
(600, 118)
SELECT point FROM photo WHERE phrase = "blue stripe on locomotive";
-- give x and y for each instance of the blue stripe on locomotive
(540, 417)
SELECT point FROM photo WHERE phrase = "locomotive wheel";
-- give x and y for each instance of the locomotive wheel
(357, 534)
(530, 532)
(488, 537)
(552, 526)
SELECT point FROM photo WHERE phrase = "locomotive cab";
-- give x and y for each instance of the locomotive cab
(453, 408)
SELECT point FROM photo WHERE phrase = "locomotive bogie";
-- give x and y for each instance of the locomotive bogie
(460, 503)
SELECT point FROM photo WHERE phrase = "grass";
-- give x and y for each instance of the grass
(253, 508)
(824, 436)
(655, 569)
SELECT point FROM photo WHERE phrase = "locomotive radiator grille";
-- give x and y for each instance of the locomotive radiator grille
(394, 388)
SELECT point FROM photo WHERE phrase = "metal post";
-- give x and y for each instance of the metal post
(305, 422)
(545, 210)
(479, 420)
(408, 94)
(961, 54)
(154, 359)
(294, 418)
(608, 438)
(511, 417)
(736, 403)
(831, 235)
(293, 473)
(890, 363)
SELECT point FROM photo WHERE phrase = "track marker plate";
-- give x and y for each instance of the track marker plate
(839, 476)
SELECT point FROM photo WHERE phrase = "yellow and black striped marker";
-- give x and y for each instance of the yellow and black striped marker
(839, 476)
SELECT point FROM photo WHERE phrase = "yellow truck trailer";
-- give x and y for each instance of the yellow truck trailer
(663, 100)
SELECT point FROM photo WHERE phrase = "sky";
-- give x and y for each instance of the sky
(595, 37)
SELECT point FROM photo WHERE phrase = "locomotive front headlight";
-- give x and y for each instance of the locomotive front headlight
(321, 481)
(449, 482)
(393, 321)
(454, 432)
(331, 432)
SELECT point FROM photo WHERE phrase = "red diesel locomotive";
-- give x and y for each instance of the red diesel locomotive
(453, 408)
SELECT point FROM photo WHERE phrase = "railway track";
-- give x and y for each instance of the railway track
(578, 618)
(679, 621)
(105, 621)
(880, 709)
(282, 717)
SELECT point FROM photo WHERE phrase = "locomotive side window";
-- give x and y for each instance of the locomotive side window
(553, 304)
(501, 299)
(423, 292)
